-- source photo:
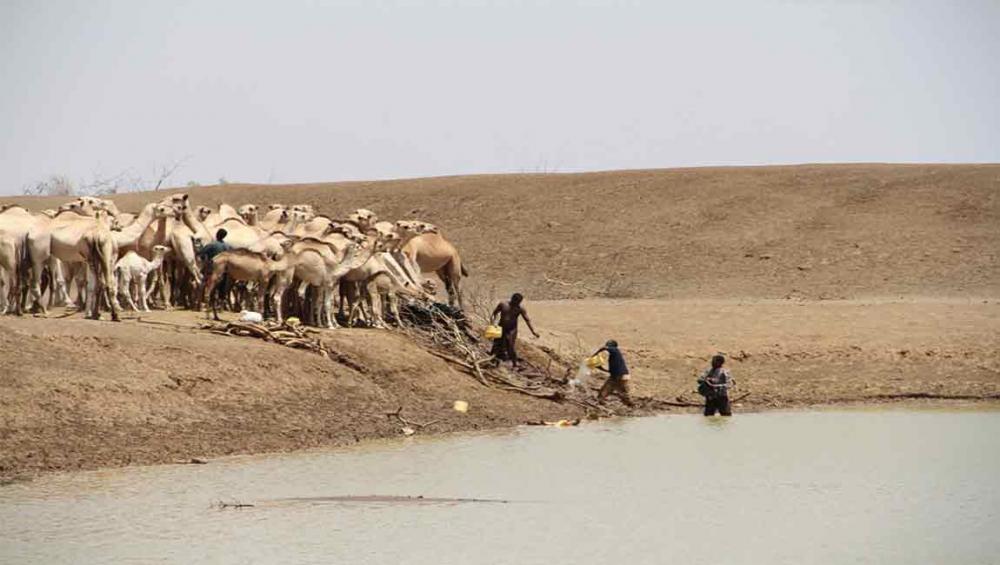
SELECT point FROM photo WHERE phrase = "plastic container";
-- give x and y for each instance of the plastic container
(493, 332)
(594, 362)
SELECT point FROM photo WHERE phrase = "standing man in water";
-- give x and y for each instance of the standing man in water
(618, 375)
(714, 386)
(510, 312)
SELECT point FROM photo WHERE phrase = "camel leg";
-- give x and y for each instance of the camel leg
(393, 301)
(58, 282)
(92, 305)
(213, 297)
(448, 285)
(35, 291)
(375, 301)
(140, 290)
(329, 291)
(3, 291)
(279, 290)
(128, 291)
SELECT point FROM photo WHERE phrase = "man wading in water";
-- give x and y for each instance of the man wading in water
(714, 386)
(509, 312)
(618, 376)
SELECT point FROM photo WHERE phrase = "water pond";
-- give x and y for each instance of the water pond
(860, 486)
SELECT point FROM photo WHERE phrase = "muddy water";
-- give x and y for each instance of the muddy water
(798, 487)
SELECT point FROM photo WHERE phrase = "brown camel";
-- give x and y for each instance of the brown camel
(432, 253)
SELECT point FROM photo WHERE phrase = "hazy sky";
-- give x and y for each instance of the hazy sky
(312, 91)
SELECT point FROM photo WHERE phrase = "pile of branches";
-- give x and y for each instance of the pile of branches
(447, 333)
(290, 335)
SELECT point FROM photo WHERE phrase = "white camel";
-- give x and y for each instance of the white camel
(132, 273)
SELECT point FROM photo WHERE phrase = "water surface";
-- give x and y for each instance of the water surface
(859, 486)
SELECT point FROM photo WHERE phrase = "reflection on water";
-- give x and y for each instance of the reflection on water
(798, 487)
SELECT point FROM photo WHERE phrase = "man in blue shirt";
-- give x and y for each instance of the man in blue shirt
(206, 254)
(618, 375)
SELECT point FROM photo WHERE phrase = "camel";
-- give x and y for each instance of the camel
(16, 224)
(275, 218)
(126, 238)
(370, 278)
(321, 264)
(212, 219)
(72, 238)
(248, 266)
(364, 219)
(382, 287)
(432, 253)
(249, 214)
(131, 272)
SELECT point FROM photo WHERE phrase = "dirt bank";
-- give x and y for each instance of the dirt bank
(79, 394)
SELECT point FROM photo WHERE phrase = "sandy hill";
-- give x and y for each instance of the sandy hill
(815, 231)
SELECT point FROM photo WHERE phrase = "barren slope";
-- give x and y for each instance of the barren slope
(816, 231)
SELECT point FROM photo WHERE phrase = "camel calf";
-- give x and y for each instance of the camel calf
(131, 275)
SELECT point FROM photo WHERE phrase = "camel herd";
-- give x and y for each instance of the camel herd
(286, 261)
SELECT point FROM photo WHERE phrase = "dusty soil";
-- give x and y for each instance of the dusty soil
(81, 394)
(794, 353)
(809, 231)
(824, 284)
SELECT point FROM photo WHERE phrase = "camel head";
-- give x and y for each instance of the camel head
(196, 243)
(249, 213)
(305, 210)
(163, 211)
(178, 202)
(408, 229)
(108, 206)
(386, 235)
(276, 207)
(364, 219)
(161, 250)
(76, 207)
(349, 231)
(203, 212)
(299, 216)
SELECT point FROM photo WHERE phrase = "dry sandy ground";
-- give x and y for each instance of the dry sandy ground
(79, 394)
(774, 266)
(809, 231)
(794, 352)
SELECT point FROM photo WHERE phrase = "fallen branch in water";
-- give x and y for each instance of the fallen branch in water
(222, 505)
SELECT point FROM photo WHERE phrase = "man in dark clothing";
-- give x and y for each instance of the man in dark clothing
(618, 375)
(510, 312)
(714, 386)
(207, 253)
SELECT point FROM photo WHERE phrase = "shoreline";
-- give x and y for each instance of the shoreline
(932, 405)
(83, 395)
